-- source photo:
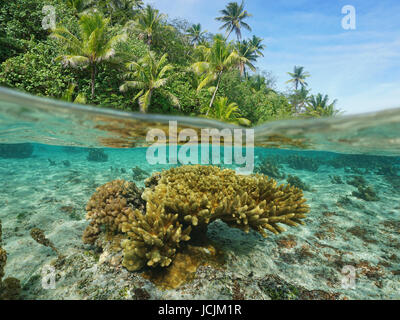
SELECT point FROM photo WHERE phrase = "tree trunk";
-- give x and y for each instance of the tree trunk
(143, 106)
(93, 81)
(215, 93)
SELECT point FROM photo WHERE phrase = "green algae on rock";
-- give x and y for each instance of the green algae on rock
(10, 288)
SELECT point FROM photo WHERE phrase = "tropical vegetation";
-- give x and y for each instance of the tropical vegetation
(126, 54)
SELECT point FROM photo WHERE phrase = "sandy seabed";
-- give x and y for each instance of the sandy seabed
(305, 262)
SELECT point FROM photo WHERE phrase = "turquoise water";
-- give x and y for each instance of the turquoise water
(349, 169)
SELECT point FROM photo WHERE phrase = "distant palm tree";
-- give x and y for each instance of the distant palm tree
(299, 98)
(148, 75)
(121, 10)
(80, 6)
(319, 106)
(247, 56)
(93, 46)
(196, 34)
(256, 43)
(298, 77)
(148, 22)
(221, 57)
(233, 17)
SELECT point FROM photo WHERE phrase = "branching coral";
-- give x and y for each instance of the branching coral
(153, 238)
(190, 197)
(110, 206)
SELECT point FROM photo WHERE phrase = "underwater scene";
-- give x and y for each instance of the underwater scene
(84, 215)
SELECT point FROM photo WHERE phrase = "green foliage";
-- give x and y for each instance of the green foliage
(36, 72)
(21, 21)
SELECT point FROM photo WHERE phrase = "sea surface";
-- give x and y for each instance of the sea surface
(348, 168)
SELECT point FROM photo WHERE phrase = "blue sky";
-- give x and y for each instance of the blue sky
(361, 68)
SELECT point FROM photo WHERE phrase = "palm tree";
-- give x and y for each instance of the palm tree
(80, 6)
(149, 74)
(228, 112)
(298, 77)
(233, 17)
(319, 106)
(247, 56)
(299, 98)
(121, 10)
(221, 57)
(223, 110)
(68, 95)
(257, 45)
(196, 34)
(148, 22)
(92, 47)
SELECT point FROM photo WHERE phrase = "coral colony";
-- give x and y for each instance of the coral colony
(153, 224)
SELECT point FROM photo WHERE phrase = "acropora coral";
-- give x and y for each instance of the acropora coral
(188, 198)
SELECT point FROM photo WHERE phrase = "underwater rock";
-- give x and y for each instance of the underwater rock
(270, 168)
(139, 174)
(97, 155)
(366, 193)
(10, 288)
(191, 197)
(110, 206)
(38, 235)
(296, 182)
(387, 171)
(336, 180)
(302, 163)
(361, 161)
(66, 163)
(16, 151)
(357, 181)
